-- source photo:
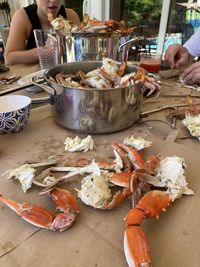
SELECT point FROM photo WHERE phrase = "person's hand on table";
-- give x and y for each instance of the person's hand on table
(191, 75)
(177, 55)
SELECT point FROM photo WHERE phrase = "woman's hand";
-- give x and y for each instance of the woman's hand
(191, 75)
(177, 55)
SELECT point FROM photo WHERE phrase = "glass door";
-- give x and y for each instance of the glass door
(145, 16)
(184, 19)
(161, 22)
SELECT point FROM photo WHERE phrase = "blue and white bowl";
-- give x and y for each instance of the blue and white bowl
(14, 113)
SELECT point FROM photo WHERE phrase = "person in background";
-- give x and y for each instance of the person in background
(177, 55)
(21, 46)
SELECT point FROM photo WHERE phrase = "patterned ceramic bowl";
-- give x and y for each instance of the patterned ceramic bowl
(14, 113)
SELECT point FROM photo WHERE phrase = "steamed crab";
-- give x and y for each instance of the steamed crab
(109, 75)
(130, 171)
(136, 245)
(171, 173)
(88, 25)
(95, 25)
(96, 189)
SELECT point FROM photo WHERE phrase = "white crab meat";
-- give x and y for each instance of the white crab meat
(193, 124)
(48, 180)
(171, 172)
(98, 82)
(95, 190)
(25, 174)
(76, 144)
(139, 143)
(75, 28)
(62, 25)
(109, 66)
(70, 83)
(93, 73)
(118, 161)
(128, 80)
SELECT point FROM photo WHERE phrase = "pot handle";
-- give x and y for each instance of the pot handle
(37, 102)
(134, 39)
(46, 88)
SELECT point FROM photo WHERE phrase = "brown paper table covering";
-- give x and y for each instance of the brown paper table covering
(96, 238)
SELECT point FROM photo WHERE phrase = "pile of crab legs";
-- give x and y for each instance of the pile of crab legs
(137, 178)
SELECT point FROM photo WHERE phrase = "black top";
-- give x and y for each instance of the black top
(31, 12)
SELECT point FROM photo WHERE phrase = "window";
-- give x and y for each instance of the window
(184, 19)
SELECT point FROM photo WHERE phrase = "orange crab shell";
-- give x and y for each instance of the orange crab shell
(64, 200)
(136, 247)
(154, 202)
(134, 217)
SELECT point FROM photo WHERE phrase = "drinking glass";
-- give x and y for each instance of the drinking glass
(47, 45)
(150, 62)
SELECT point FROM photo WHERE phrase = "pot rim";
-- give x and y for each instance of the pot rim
(61, 66)
(100, 34)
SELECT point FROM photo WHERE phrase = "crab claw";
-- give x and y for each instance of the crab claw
(154, 202)
(35, 215)
(136, 247)
(43, 218)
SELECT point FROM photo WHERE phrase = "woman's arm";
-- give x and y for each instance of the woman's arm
(72, 16)
(15, 50)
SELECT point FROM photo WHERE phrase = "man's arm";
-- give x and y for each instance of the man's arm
(193, 44)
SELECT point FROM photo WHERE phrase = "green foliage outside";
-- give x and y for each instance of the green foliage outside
(135, 10)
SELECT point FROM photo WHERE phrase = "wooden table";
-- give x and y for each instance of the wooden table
(96, 238)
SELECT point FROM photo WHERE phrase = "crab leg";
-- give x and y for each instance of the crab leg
(106, 165)
(140, 252)
(43, 218)
(135, 242)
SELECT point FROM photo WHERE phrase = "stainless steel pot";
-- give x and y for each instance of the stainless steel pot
(95, 46)
(93, 111)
